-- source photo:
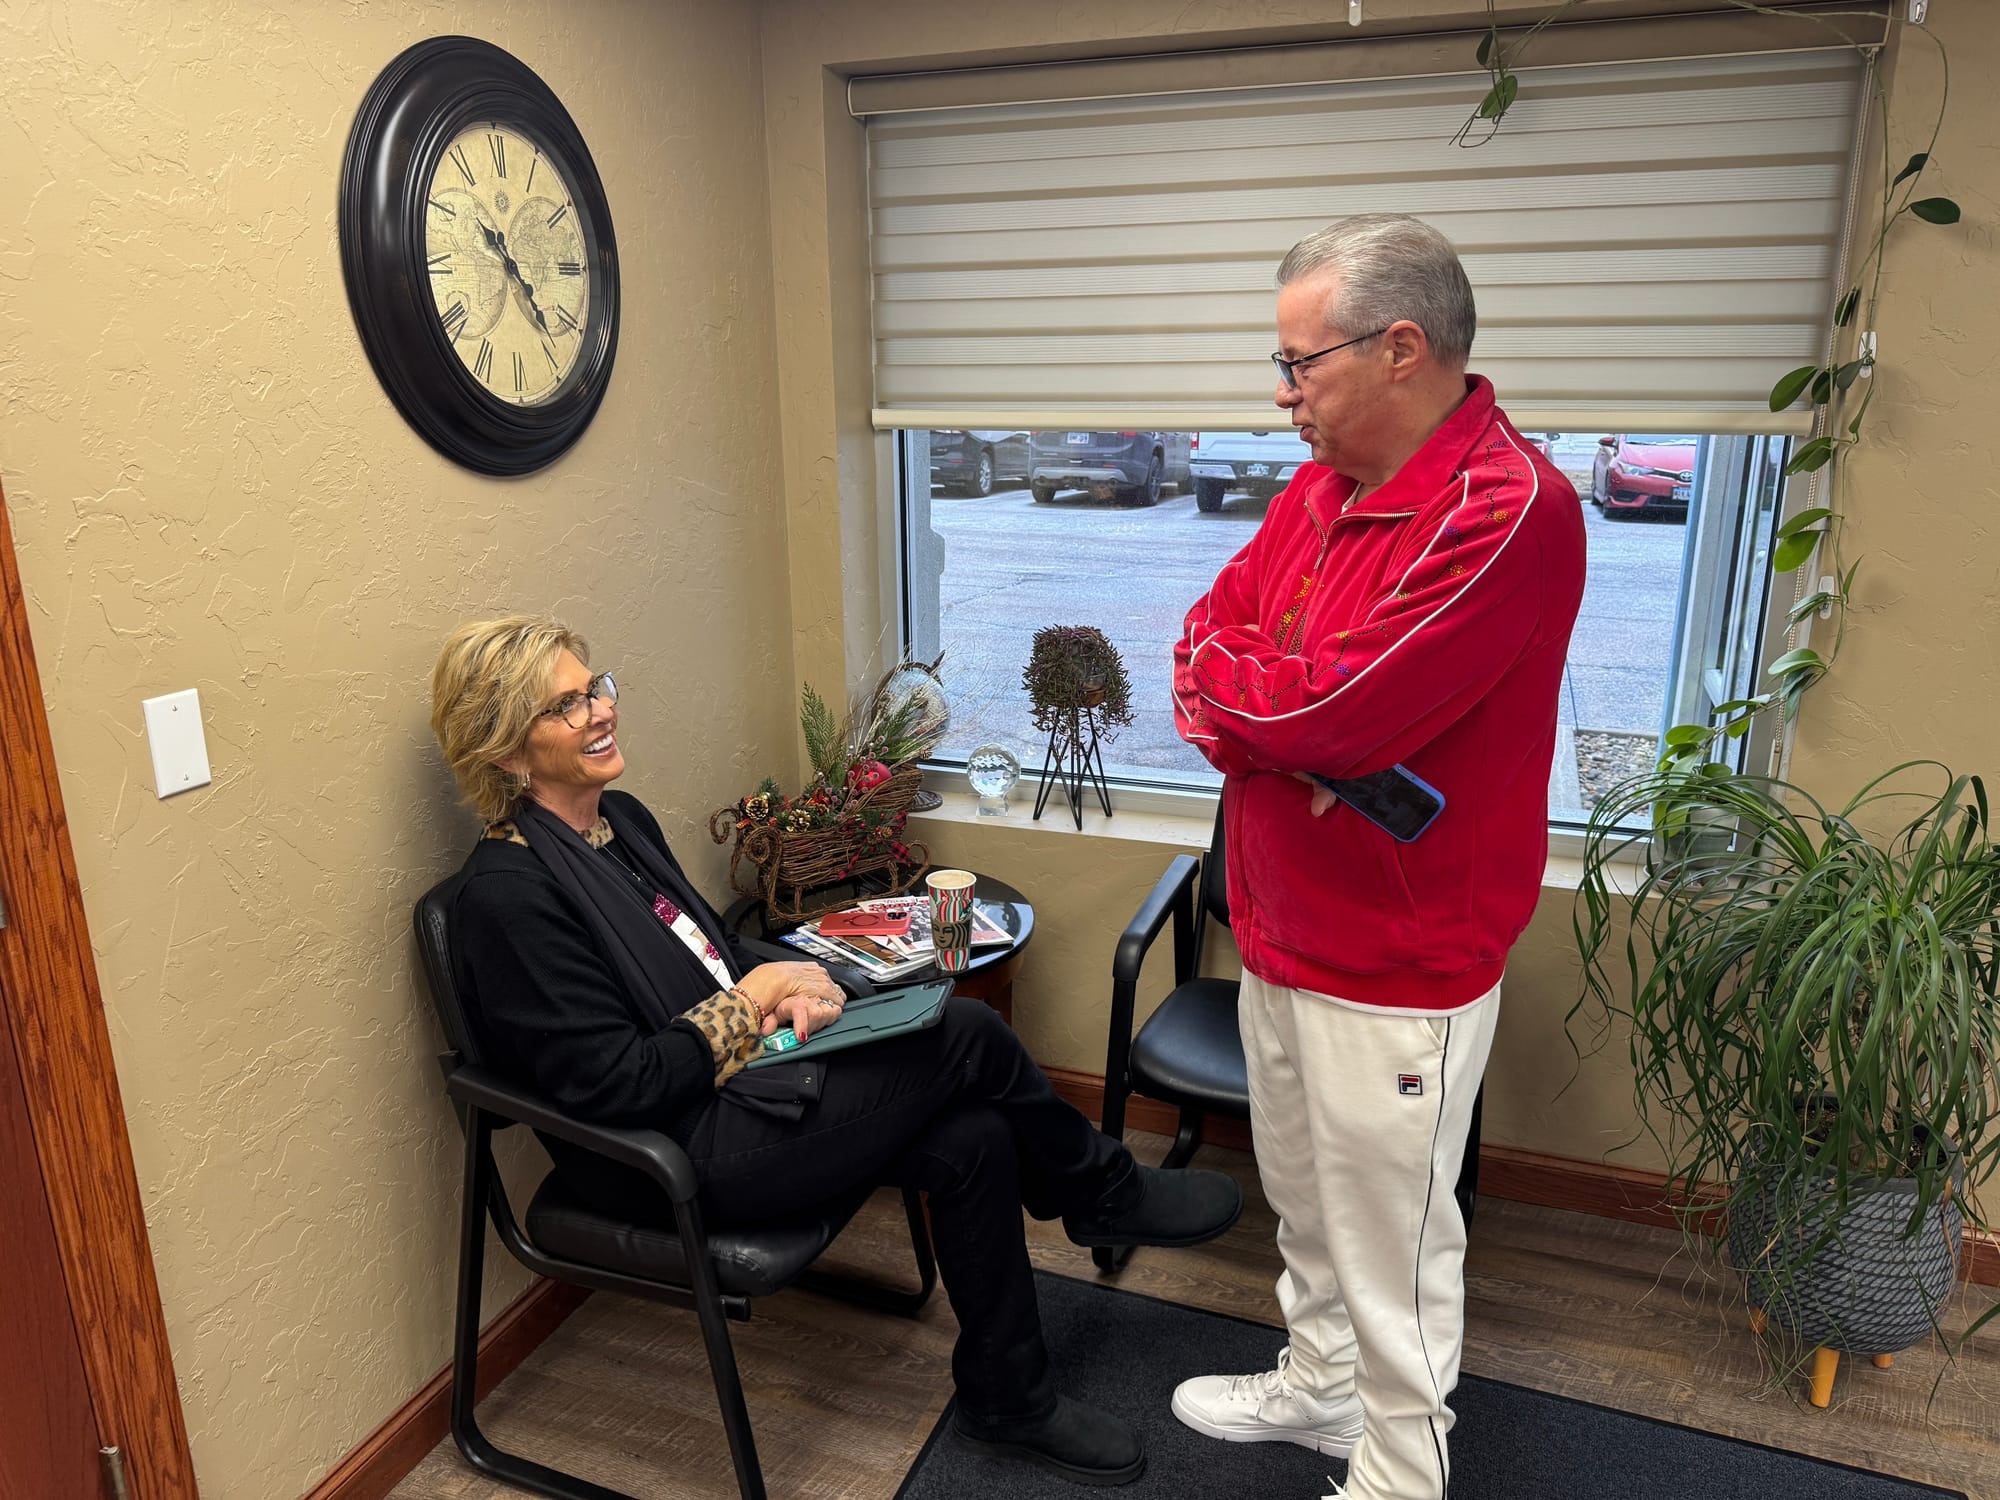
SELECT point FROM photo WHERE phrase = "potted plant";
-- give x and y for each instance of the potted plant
(1079, 694)
(1814, 1030)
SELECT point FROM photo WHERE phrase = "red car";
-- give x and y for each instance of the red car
(1643, 471)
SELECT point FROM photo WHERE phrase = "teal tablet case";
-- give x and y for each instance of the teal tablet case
(869, 1019)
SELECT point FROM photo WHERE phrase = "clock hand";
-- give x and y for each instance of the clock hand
(497, 243)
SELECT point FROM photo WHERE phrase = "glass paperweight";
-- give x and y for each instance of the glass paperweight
(991, 770)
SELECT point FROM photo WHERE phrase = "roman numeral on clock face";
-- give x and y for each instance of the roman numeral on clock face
(454, 319)
(464, 165)
(498, 143)
(558, 216)
(569, 268)
(438, 266)
(520, 373)
(483, 366)
(569, 323)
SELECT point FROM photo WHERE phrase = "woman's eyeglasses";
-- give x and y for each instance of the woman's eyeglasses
(574, 708)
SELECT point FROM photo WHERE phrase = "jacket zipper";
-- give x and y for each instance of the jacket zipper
(1290, 646)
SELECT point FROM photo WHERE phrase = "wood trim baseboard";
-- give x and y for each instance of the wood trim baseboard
(1588, 1187)
(388, 1454)
(55, 1012)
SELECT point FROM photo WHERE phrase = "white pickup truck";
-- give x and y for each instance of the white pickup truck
(1257, 464)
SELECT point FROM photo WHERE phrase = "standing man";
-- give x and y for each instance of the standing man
(1407, 601)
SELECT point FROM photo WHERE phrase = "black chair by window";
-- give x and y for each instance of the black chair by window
(1190, 1053)
(717, 1274)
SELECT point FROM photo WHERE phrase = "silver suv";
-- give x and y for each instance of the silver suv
(1257, 464)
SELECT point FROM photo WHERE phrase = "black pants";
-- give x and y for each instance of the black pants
(961, 1111)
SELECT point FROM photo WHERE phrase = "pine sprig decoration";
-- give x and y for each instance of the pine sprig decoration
(903, 717)
(826, 741)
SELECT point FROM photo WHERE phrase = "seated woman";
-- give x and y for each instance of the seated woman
(596, 974)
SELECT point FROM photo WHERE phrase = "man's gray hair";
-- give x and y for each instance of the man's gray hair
(1391, 267)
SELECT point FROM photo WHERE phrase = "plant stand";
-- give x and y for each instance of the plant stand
(1869, 1287)
(1825, 1365)
(1075, 757)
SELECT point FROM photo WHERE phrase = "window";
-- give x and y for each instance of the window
(1006, 532)
(1071, 301)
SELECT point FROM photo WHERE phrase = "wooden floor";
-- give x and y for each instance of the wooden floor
(842, 1399)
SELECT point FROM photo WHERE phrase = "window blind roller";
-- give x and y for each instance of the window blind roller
(1651, 244)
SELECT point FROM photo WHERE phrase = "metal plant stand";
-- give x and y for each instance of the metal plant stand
(1075, 757)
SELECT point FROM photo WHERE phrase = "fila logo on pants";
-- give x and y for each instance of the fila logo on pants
(1411, 1084)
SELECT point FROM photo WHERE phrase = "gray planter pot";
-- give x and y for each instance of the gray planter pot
(1872, 1286)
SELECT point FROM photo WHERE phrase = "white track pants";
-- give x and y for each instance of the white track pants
(1359, 1121)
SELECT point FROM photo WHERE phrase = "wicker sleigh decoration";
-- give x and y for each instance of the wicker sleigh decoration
(786, 869)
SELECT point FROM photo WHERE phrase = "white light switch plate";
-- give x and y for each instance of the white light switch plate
(180, 750)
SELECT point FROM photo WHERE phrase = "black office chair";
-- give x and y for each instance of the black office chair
(1190, 1053)
(716, 1274)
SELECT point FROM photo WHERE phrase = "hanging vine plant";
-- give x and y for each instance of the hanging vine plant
(1753, 903)
(1813, 533)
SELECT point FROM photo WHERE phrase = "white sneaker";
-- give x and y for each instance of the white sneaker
(1268, 1408)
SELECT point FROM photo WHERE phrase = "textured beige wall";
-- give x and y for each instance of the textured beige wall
(211, 490)
(1913, 683)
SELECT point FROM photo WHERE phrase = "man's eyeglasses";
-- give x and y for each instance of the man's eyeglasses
(574, 708)
(1288, 369)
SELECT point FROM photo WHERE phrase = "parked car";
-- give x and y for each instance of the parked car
(1257, 464)
(971, 463)
(1130, 466)
(1643, 471)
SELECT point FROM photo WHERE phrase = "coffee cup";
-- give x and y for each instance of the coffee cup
(951, 918)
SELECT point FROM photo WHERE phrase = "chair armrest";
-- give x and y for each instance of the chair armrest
(1151, 916)
(657, 1155)
(856, 983)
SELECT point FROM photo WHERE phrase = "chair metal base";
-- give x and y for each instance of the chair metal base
(712, 1310)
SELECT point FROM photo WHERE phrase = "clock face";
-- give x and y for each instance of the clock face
(480, 261)
(509, 266)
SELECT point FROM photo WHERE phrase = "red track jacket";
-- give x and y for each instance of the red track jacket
(1427, 625)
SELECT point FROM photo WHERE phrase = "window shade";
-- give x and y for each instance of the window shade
(1651, 244)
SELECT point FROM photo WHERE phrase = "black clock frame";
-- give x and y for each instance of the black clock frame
(412, 112)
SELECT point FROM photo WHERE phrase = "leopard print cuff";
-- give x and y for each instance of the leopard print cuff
(731, 1024)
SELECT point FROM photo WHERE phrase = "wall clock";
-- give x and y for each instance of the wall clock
(480, 263)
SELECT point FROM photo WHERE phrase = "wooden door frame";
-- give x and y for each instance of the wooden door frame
(55, 1013)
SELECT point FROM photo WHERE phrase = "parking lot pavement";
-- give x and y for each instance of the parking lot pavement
(1012, 567)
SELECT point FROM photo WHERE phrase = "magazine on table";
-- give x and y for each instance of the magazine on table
(872, 956)
(889, 958)
(986, 929)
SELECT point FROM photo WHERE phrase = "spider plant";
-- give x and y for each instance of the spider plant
(1810, 992)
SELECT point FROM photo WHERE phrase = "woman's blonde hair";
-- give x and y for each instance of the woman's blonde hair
(489, 685)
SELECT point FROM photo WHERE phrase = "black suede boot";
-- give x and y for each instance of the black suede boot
(1079, 1442)
(1184, 1206)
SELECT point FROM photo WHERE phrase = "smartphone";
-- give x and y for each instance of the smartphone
(1397, 801)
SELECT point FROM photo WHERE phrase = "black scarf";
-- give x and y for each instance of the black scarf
(646, 953)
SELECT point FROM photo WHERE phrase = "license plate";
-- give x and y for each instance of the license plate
(1683, 491)
(1257, 471)
(1081, 439)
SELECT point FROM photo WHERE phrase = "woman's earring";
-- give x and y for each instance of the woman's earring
(526, 777)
